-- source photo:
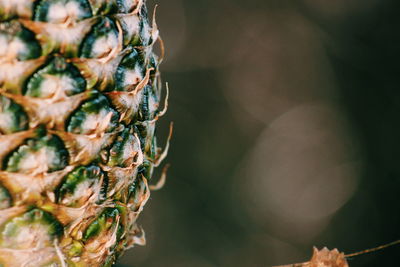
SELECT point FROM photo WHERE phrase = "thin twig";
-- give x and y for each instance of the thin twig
(373, 249)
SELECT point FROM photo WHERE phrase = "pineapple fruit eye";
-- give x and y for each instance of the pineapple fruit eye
(135, 193)
(125, 150)
(125, 6)
(146, 169)
(144, 29)
(76, 248)
(5, 198)
(93, 115)
(22, 231)
(12, 9)
(148, 108)
(12, 117)
(103, 223)
(101, 40)
(79, 185)
(40, 155)
(130, 71)
(17, 42)
(146, 133)
(60, 11)
(57, 77)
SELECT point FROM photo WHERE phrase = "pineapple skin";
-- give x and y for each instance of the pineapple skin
(80, 95)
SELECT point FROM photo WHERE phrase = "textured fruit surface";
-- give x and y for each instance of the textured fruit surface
(79, 98)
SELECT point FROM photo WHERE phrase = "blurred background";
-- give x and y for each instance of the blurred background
(287, 128)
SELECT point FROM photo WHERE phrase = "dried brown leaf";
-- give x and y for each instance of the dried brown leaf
(328, 258)
(323, 258)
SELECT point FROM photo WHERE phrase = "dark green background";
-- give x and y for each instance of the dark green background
(239, 70)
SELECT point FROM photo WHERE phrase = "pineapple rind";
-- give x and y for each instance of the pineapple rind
(56, 77)
(72, 192)
(12, 117)
(79, 98)
(5, 198)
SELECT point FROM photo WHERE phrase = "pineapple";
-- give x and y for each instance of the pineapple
(80, 95)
